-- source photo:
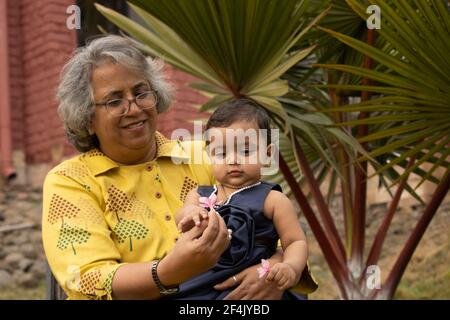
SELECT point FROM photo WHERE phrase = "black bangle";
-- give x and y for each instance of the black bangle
(162, 289)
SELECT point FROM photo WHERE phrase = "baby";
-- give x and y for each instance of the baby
(257, 213)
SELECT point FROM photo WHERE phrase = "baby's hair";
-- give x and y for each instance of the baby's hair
(240, 110)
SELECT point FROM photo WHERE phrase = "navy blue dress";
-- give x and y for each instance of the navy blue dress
(254, 238)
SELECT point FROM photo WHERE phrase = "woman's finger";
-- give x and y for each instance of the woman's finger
(196, 233)
(229, 283)
(211, 230)
(222, 240)
(183, 222)
(236, 294)
(236, 281)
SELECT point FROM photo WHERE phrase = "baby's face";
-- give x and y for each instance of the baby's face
(238, 153)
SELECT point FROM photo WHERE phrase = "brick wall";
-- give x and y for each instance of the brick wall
(184, 108)
(15, 73)
(46, 45)
(39, 45)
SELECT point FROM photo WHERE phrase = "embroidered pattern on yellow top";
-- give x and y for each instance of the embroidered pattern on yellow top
(98, 215)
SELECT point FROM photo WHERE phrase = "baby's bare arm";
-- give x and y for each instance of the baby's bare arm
(279, 208)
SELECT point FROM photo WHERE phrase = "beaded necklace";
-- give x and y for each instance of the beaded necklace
(235, 192)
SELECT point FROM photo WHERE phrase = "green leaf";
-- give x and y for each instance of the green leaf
(215, 102)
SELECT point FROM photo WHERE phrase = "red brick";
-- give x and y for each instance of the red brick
(40, 44)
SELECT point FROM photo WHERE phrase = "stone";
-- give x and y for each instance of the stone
(29, 250)
(33, 215)
(25, 264)
(2, 197)
(6, 279)
(21, 238)
(22, 196)
(7, 249)
(26, 280)
(12, 217)
(13, 259)
(35, 237)
(39, 269)
(37, 197)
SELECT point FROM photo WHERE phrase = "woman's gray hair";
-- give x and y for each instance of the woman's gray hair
(75, 94)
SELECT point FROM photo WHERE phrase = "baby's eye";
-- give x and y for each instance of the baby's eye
(246, 151)
(220, 155)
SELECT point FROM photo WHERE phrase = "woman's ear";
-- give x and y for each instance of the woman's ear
(91, 130)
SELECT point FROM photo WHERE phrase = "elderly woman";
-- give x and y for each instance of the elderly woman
(108, 214)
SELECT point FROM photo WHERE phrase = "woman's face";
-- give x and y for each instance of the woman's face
(122, 137)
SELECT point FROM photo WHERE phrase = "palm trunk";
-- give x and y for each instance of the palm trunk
(325, 215)
(378, 241)
(359, 211)
(346, 189)
(338, 269)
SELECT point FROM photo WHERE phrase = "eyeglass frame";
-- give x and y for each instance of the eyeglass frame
(154, 92)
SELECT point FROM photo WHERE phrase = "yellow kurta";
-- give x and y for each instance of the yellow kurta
(98, 215)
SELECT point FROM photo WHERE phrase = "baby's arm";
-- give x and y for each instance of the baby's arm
(287, 273)
(191, 213)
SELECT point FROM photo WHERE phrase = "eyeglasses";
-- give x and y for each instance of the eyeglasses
(120, 107)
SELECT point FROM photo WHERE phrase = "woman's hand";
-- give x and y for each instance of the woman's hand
(196, 251)
(250, 287)
(191, 216)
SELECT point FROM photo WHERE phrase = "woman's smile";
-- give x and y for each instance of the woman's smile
(135, 126)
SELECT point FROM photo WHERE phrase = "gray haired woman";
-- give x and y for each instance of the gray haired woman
(108, 214)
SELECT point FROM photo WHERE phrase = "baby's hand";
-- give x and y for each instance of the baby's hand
(191, 219)
(283, 274)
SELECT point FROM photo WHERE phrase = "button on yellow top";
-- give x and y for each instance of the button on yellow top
(98, 214)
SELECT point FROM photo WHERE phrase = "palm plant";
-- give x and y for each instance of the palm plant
(262, 50)
(409, 119)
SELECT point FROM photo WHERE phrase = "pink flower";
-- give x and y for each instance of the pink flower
(208, 202)
(264, 269)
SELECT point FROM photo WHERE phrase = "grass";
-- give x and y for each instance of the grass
(427, 276)
(427, 279)
(17, 293)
